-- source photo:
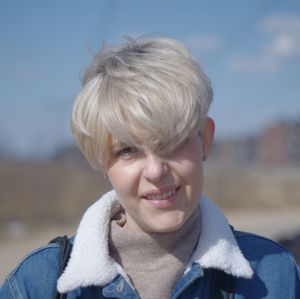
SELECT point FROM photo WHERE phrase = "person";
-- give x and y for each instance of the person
(142, 120)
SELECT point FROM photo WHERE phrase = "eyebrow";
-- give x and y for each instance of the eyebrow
(118, 144)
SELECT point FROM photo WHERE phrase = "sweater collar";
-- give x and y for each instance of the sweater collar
(217, 247)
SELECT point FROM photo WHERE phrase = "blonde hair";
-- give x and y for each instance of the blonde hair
(147, 93)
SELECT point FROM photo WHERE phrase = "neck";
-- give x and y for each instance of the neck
(144, 255)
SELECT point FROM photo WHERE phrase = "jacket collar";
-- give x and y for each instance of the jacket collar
(217, 247)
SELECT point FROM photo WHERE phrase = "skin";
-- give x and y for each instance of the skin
(138, 175)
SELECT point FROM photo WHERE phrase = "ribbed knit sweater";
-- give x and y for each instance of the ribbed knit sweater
(154, 262)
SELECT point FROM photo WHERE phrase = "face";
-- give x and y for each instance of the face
(159, 193)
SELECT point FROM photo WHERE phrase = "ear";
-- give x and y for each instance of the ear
(207, 133)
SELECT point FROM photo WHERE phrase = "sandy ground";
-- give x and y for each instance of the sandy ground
(272, 224)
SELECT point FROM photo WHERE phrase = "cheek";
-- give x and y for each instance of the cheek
(195, 176)
(124, 180)
(192, 167)
(191, 172)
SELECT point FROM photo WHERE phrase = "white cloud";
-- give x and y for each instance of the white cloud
(282, 44)
(254, 64)
(275, 23)
(203, 42)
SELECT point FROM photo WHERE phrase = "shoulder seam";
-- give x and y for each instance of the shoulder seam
(30, 254)
(242, 235)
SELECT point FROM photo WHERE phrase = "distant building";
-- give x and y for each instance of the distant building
(273, 144)
(69, 154)
(293, 143)
(239, 151)
(278, 144)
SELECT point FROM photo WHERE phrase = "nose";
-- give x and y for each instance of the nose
(155, 167)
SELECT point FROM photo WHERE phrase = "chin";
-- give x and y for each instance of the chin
(166, 225)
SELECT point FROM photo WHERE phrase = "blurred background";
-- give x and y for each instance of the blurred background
(249, 49)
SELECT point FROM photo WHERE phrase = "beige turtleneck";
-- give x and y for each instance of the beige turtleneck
(154, 262)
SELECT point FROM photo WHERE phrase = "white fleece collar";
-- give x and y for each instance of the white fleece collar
(91, 264)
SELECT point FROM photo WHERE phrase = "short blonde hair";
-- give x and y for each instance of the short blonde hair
(147, 93)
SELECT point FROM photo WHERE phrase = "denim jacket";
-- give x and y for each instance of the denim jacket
(256, 267)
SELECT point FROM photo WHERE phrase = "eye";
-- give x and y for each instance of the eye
(126, 151)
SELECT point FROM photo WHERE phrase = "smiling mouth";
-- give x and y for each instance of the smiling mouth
(162, 195)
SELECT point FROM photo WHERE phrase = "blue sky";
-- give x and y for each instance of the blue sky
(249, 49)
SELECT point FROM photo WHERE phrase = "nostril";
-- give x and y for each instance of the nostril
(155, 167)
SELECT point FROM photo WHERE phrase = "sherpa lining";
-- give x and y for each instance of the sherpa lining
(90, 262)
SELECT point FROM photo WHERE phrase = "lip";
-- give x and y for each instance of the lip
(163, 203)
(159, 191)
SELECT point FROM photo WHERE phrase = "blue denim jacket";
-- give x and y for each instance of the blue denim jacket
(258, 267)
